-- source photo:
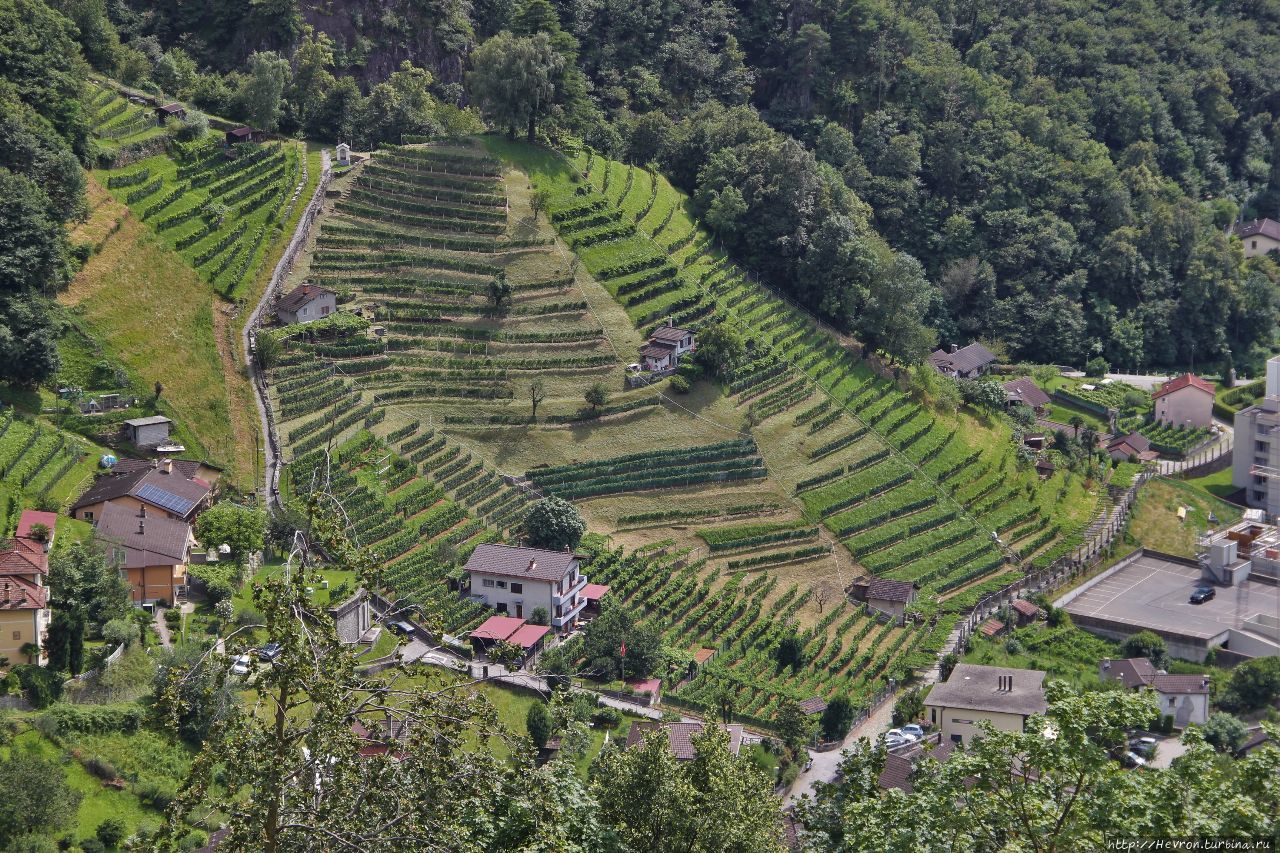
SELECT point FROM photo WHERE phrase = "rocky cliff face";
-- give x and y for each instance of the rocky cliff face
(373, 37)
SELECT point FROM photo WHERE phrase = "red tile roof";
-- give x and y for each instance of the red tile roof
(1265, 227)
(595, 591)
(497, 628)
(814, 705)
(883, 589)
(991, 628)
(23, 557)
(513, 561)
(701, 656)
(1026, 608)
(301, 295)
(18, 594)
(648, 685)
(528, 636)
(1131, 672)
(1181, 683)
(674, 334)
(656, 350)
(1186, 380)
(680, 736)
(32, 517)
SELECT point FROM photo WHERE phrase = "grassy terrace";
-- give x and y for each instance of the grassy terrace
(116, 122)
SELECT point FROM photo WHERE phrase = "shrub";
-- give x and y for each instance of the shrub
(156, 794)
(606, 717)
(680, 384)
(92, 845)
(111, 831)
(119, 632)
(219, 590)
(101, 768)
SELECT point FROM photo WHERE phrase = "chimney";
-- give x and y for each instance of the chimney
(671, 322)
(955, 347)
(1106, 664)
(6, 592)
(141, 529)
(566, 549)
(155, 464)
(533, 564)
(168, 466)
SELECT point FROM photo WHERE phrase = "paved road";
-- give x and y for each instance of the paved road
(1147, 382)
(162, 628)
(1167, 751)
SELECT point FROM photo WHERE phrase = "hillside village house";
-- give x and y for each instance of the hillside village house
(238, 135)
(889, 597)
(168, 111)
(1186, 401)
(667, 345)
(963, 362)
(1135, 445)
(147, 432)
(164, 488)
(515, 581)
(151, 551)
(24, 597)
(680, 736)
(1255, 465)
(1025, 392)
(1183, 697)
(974, 694)
(305, 303)
(1259, 236)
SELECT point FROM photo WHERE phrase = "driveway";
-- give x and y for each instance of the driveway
(825, 764)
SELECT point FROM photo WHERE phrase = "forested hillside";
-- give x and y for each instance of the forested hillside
(1064, 173)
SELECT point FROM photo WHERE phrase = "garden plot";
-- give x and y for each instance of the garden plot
(117, 122)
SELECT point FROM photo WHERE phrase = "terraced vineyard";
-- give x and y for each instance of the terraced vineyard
(906, 490)
(217, 207)
(37, 462)
(769, 496)
(116, 122)
(405, 518)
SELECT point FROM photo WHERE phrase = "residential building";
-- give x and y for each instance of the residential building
(680, 736)
(237, 135)
(1135, 445)
(1255, 465)
(161, 487)
(1025, 392)
(190, 469)
(515, 581)
(667, 345)
(152, 551)
(1183, 697)
(305, 303)
(975, 694)
(889, 597)
(147, 432)
(900, 768)
(1185, 401)
(527, 637)
(24, 597)
(1259, 236)
(968, 362)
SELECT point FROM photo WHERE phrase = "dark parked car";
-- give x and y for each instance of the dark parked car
(402, 627)
(1202, 594)
(270, 652)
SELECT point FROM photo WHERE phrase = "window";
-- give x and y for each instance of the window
(1260, 445)
(1253, 244)
(517, 587)
(501, 607)
(502, 584)
(487, 582)
(1171, 701)
(324, 310)
(304, 312)
(17, 635)
(88, 516)
(957, 739)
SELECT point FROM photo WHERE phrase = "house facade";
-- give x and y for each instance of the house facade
(1025, 392)
(515, 581)
(306, 303)
(975, 694)
(151, 551)
(1255, 462)
(1183, 697)
(888, 597)
(1259, 236)
(667, 345)
(1186, 401)
(24, 595)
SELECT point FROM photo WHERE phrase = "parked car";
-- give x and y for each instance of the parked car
(1132, 759)
(270, 652)
(894, 741)
(1201, 594)
(914, 731)
(903, 735)
(242, 665)
(401, 627)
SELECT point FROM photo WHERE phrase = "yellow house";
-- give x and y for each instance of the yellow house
(152, 551)
(24, 598)
(974, 694)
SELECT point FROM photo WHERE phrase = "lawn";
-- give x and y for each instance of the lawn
(1063, 413)
(1218, 483)
(1066, 653)
(1155, 522)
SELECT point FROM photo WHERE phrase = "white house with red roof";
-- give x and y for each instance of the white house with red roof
(1185, 401)
(515, 581)
(1259, 236)
(24, 597)
(667, 345)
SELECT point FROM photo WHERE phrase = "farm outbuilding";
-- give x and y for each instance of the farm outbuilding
(147, 432)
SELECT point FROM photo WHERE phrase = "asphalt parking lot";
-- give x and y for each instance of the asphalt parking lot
(1154, 593)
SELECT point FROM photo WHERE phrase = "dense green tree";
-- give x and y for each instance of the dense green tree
(794, 726)
(85, 585)
(555, 524)
(1146, 644)
(1224, 732)
(716, 802)
(837, 718)
(539, 724)
(263, 87)
(606, 636)
(721, 349)
(1253, 684)
(37, 799)
(514, 80)
(225, 523)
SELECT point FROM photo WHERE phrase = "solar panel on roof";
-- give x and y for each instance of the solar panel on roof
(168, 500)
